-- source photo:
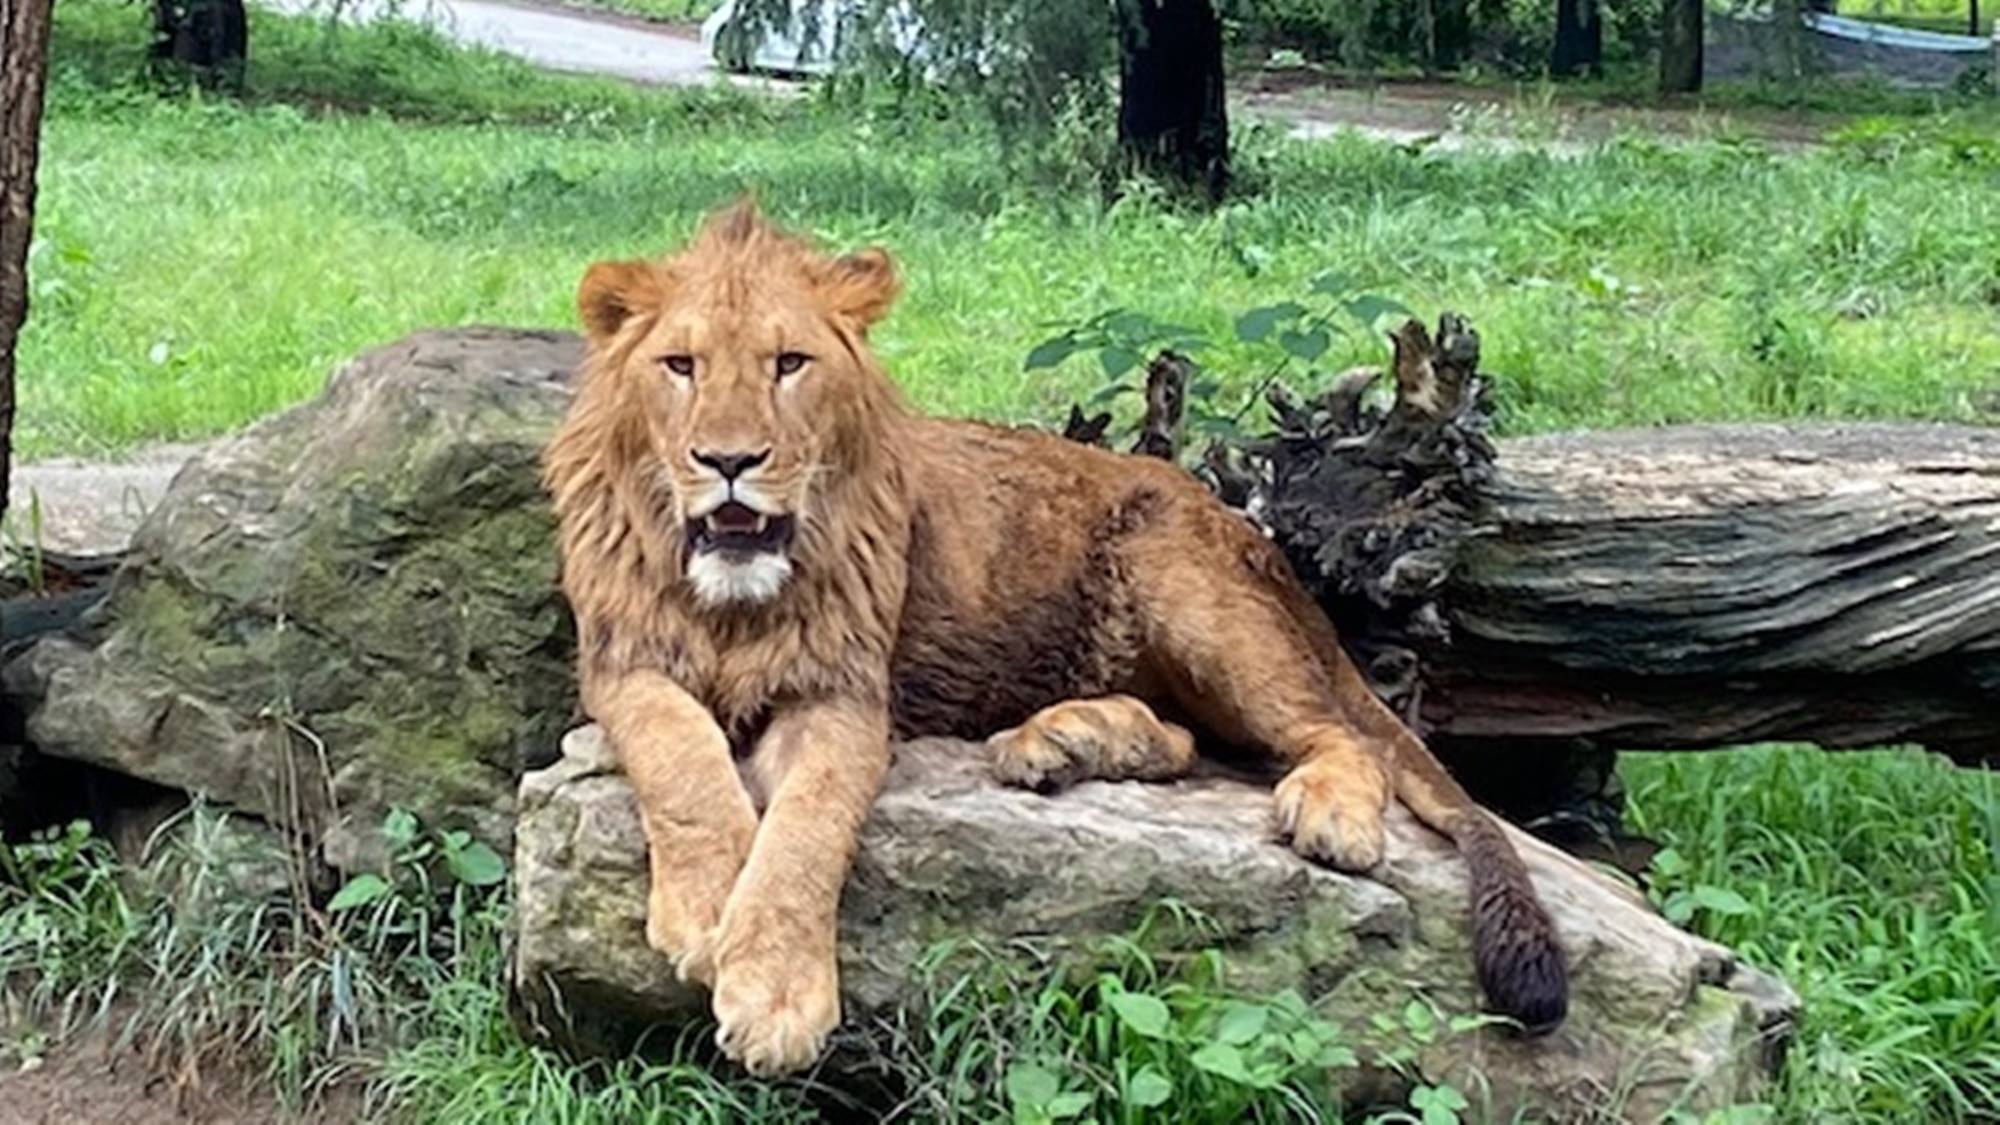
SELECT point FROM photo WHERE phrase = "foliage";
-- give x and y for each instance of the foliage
(1289, 332)
(1119, 1034)
(1871, 882)
(201, 264)
(203, 959)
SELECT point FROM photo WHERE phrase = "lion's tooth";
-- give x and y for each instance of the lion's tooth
(763, 521)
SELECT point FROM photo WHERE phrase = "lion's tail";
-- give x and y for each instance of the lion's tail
(1514, 945)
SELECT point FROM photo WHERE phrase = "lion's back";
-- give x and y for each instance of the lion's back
(1020, 591)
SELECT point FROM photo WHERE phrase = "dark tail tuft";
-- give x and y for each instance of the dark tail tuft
(1514, 945)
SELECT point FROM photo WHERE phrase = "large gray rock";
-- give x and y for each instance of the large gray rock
(347, 607)
(1659, 1018)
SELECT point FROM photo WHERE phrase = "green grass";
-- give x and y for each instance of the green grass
(201, 263)
(1871, 882)
(662, 11)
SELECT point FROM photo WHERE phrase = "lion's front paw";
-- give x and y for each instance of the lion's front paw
(1332, 815)
(691, 949)
(774, 1008)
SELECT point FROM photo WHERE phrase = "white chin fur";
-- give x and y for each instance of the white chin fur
(719, 580)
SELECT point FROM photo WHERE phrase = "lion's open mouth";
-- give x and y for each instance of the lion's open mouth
(740, 528)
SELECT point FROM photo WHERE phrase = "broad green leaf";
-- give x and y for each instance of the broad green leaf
(1204, 387)
(1129, 326)
(359, 891)
(1679, 908)
(1720, 900)
(1241, 1023)
(1051, 352)
(1117, 360)
(1148, 1088)
(1291, 1003)
(1223, 1061)
(1369, 308)
(475, 865)
(399, 828)
(1308, 345)
(1332, 283)
(1420, 1021)
(1334, 1056)
(1439, 1105)
(1031, 1087)
(1068, 1105)
(1142, 1013)
(1669, 862)
(1259, 323)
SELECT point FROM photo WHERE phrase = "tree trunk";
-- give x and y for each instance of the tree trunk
(209, 39)
(1450, 33)
(24, 57)
(1687, 587)
(1172, 117)
(1680, 46)
(1579, 45)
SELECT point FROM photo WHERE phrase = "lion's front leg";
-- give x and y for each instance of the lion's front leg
(697, 816)
(777, 986)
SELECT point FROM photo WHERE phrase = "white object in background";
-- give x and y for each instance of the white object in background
(1889, 35)
(779, 49)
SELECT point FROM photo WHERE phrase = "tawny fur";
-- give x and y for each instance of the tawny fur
(946, 578)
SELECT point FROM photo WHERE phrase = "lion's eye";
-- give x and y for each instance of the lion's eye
(682, 365)
(790, 362)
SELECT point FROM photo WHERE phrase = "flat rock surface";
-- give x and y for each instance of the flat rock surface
(92, 507)
(1659, 1018)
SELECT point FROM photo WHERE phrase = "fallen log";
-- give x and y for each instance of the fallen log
(1679, 588)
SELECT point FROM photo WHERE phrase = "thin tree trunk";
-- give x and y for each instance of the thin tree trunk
(1172, 117)
(24, 58)
(1579, 45)
(210, 38)
(1451, 33)
(1680, 46)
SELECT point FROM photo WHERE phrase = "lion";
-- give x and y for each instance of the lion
(776, 567)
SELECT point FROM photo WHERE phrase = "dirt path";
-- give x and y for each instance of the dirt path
(91, 507)
(86, 1085)
(562, 36)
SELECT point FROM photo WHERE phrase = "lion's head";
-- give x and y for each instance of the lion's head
(739, 377)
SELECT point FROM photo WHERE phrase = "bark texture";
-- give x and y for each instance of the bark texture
(1675, 588)
(1579, 41)
(1680, 46)
(1173, 119)
(24, 58)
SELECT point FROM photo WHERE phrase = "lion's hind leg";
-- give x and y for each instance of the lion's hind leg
(1110, 738)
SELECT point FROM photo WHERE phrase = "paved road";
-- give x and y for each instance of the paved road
(555, 39)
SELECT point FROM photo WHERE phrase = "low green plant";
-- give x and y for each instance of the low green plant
(1289, 335)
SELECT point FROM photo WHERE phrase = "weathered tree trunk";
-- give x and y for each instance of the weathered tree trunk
(23, 68)
(1173, 120)
(1579, 43)
(1680, 46)
(1450, 33)
(1682, 587)
(208, 38)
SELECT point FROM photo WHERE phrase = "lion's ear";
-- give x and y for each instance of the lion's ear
(612, 292)
(862, 285)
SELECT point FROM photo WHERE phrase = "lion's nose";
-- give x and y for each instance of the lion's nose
(730, 465)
